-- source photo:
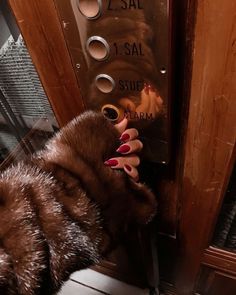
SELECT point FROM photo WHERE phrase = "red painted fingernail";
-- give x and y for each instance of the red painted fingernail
(125, 137)
(123, 149)
(128, 167)
(111, 163)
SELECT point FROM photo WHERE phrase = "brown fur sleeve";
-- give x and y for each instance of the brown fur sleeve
(60, 210)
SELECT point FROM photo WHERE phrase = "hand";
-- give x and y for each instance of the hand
(128, 149)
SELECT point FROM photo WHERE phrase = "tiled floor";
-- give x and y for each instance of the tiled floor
(89, 282)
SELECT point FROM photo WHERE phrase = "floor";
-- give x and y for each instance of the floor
(90, 282)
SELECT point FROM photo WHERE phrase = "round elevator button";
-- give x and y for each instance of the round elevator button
(105, 83)
(98, 48)
(111, 112)
(91, 9)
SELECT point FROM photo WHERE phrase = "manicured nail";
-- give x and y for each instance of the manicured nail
(127, 167)
(125, 137)
(123, 149)
(111, 163)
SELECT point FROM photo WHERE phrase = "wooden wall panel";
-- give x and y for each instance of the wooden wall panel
(211, 133)
(214, 282)
(40, 27)
(221, 260)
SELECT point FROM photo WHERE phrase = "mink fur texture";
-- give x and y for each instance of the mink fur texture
(63, 209)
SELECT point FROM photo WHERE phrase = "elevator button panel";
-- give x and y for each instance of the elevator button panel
(121, 55)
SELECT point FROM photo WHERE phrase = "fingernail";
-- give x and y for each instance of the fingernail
(125, 137)
(127, 167)
(111, 163)
(123, 149)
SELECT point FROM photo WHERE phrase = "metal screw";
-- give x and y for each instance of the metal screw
(77, 66)
(65, 24)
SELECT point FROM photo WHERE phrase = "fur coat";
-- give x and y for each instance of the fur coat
(63, 209)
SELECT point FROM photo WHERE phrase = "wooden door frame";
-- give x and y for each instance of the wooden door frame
(210, 137)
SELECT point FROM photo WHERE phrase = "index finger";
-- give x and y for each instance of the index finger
(121, 126)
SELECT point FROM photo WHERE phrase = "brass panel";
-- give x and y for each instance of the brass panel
(120, 50)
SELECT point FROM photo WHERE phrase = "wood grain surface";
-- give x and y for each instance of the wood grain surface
(41, 30)
(220, 260)
(210, 135)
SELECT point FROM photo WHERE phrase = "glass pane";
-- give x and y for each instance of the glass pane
(26, 118)
(225, 232)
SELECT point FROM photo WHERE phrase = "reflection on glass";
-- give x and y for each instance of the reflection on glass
(26, 118)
